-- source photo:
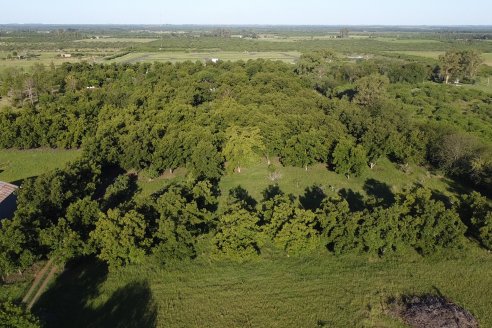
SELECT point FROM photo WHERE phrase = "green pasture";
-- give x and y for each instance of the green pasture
(17, 165)
(287, 56)
(296, 180)
(487, 57)
(117, 40)
(313, 291)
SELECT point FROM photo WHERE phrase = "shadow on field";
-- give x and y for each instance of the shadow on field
(271, 191)
(312, 198)
(354, 199)
(67, 303)
(380, 191)
(239, 194)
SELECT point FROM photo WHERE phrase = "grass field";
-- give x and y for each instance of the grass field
(317, 291)
(289, 56)
(17, 165)
(425, 54)
(116, 40)
(483, 84)
(296, 180)
(4, 101)
(149, 185)
(45, 58)
(487, 57)
(48, 57)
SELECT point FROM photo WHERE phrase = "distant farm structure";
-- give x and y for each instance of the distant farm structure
(8, 200)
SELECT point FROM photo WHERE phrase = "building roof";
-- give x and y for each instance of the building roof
(6, 189)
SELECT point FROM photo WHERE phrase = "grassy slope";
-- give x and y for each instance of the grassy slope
(296, 180)
(16, 165)
(315, 291)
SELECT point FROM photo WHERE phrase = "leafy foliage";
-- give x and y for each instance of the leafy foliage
(121, 238)
(14, 316)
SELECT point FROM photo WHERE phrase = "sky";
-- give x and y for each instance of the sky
(269, 12)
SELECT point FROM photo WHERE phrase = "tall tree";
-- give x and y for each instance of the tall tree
(243, 146)
(348, 158)
(450, 65)
(371, 89)
(121, 238)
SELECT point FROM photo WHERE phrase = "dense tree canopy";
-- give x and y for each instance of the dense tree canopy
(218, 118)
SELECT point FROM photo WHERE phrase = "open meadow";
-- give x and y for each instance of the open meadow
(17, 165)
(164, 56)
(324, 291)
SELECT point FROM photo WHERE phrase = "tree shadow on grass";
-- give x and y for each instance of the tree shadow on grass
(108, 177)
(241, 195)
(354, 199)
(380, 191)
(271, 191)
(67, 302)
(312, 198)
(116, 195)
(129, 306)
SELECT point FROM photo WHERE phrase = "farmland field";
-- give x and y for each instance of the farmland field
(116, 40)
(289, 56)
(48, 57)
(487, 57)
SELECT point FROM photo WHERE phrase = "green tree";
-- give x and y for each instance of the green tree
(460, 64)
(121, 238)
(450, 65)
(243, 146)
(14, 248)
(477, 214)
(349, 159)
(304, 149)
(15, 316)
(206, 161)
(237, 235)
(429, 226)
(184, 215)
(69, 238)
(371, 90)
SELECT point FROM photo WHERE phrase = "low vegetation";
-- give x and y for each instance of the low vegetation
(258, 182)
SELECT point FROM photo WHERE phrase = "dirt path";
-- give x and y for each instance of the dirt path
(36, 281)
(42, 287)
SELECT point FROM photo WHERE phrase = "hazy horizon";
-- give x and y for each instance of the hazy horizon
(253, 12)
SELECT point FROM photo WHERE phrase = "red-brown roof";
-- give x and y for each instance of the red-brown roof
(6, 189)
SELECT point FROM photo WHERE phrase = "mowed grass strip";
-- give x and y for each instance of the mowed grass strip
(286, 56)
(323, 290)
(16, 165)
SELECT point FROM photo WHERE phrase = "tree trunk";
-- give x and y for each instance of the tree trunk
(447, 78)
(171, 171)
(371, 165)
(306, 167)
(238, 169)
